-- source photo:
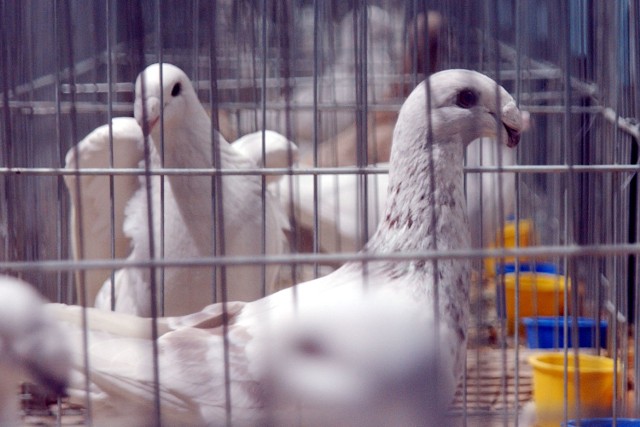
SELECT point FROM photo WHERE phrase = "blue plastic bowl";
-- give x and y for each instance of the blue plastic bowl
(603, 422)
(539, 267)
(548, 332)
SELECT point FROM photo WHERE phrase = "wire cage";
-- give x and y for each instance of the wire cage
(331, 77)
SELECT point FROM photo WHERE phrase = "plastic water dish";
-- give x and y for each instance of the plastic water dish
(604, 422)
(594, 387)
(539, 267)
(548, 332)
(540, 294)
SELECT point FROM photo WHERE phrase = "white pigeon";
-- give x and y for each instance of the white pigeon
(212, 363)
(33, 346)
(91, 202)
(183, 220)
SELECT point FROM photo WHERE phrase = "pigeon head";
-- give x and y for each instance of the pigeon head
(31, 342)
(164, 89)
(366, 357)
(465, 105)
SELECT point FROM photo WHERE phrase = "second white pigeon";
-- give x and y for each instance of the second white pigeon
(249, 223)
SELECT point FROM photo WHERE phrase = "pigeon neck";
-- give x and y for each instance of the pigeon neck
(426, 208)
(193, 146)
(191, 143)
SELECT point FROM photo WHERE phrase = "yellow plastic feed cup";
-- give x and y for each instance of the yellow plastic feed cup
(527, 238)
(595, 386)
(541, 294)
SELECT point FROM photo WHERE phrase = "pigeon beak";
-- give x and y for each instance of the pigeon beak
(148, 114)
(512, 120)
(150, 125)
(513, 137)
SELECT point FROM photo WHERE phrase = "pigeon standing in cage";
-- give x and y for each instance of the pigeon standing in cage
(212, 363)
(185, 223)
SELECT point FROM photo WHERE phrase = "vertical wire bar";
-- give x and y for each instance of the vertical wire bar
(634, 35)
(157, 286)
(195, 73)
(517, 89)
(623, 304)
(594, 217)
(435, 307)
(615, 296)
(263, 199)
(112, 212)
(218, 237)
(570, 208)
(361, 73)
(494, 41)
(616, 100)
(263, 112)
(316, 137)
(61, 207)
(59, 14)
(263, 154)
(598, 229)
(617, 200)
(466, 63)
(62, 228)
(331, 94)
(565, 140)
(254, 66)
(295, 237)
(360, 70)
(137, 21)
(159, 294)
(7, 128)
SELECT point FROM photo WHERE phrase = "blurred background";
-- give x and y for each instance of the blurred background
(331, 76)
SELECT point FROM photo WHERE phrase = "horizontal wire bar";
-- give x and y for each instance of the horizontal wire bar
(532, 252)
(65, 107)
(192, 171)
(44, 108)
(374, 170)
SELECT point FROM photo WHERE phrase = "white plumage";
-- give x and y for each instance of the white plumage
(339, 209)
(425, 212)
(91, 201)
(340, 215)
(370, 360)
(279, 152)
(182, 214)
(33, 346)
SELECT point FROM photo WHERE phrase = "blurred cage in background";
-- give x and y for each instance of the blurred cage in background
(312, 70)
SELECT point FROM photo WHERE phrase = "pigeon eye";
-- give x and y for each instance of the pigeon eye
(310, 347)
(176, 89)
(466, 98)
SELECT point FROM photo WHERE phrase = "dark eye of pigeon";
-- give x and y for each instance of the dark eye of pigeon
(466, 98)
(310, 347)
(176, 89)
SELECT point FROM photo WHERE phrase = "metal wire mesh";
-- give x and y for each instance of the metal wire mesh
(312, 69)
